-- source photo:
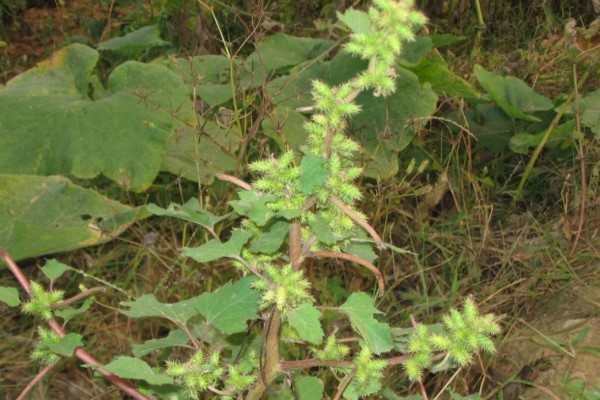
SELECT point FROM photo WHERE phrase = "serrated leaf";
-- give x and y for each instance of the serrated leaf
(68, 313)
(58, 214)
(305, 320)
(230, 306)
(253, 206)
(66, 345)
(148, 306)
(214, 249)
(10, 296)
(175, 338)
(313, 173)
(191, 211)
(589, 106)
(134, 368)
(108, 131)
(358, 21)
(351, 392)
(322, 230)
(54, 269)
(360, 309)
(271, 239)
(512, 95)
(306, 388)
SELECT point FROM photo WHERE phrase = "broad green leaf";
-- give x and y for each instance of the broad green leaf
(360, 309)
(254, 206)
(214, 249)
(66, 345)
(280, 51)
(307, 388)
(491, 126)
(54, 269)
(148, 306)
(357, 21)
(286, 127)
(270, 240)
(136, 43)
(191, 211)
(313, 173)
(134, 368)
(443, 81)
(9, 296)
(413, 52)
(322, 230)
(590, 108)
(522, 142)
(120, 132)
(445, 39)
(363, 250)
(512, 95)
(43, 215)
(68, 313)
(305, 320)
(175, 338)
(217, 152)
(230, 306)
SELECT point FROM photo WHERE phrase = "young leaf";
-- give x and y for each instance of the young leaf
(322, 230)
(230, 306)
(512, 95)
(307, 388)
(305, 320)
(148, 306)
(134, 368)
(313, 173)
(357, 21)
(66, 345)
(54, 269)
(360, 309)
(253, 206)
(214, 249)
(10, 296)
(67, 313)
(271, 240)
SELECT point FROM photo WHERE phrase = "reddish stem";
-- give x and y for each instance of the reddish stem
(79, 352)
(358, 260)
(356, 218)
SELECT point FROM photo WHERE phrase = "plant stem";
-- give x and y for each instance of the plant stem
(271, 366)
(358, 260)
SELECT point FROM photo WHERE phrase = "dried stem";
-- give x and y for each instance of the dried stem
(235, 181)
(312, 362)
(79, 296)
(344, 385)
(358, 260)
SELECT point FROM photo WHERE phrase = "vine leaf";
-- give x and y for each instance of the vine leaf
(360, 309)
(305, 320)
(66, 345)
(215, 249)
(230, 306)
(54, 269)
(134, 368)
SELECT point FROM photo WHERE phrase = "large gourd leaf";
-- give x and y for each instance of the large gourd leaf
(43, 215)
(53, 120)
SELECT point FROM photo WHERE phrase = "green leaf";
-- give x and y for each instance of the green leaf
(351, 392)
(54, 269)
(305, 320)
(191, 211)
(270, 240)
(307, 388)
(589, 106)
(120, 132)
(175, 338)
(361, 249)
(254, 206)
(491, 126)
(68, 313)
(357, 21)
(148, 306)
(286, 127)
(443, 81)
(512, 95)
(522, 142)
(136, 43)
(58, 214)
(313, 173)
(360, 309)
(413, 52)
(217, 152)
(230, 306)
(134, 368)
(66, 345)
(214, 249)
(10, 296)
(322, 230)
(445, 39)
